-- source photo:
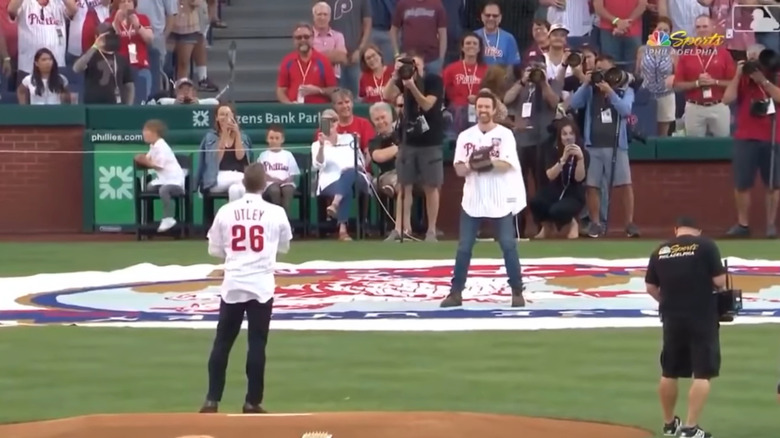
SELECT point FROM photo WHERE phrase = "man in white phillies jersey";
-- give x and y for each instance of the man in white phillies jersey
(495, 192)
(248, 233)
(41, 24)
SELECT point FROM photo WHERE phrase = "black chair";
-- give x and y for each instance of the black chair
(302, 191)
(144, 197)
(209, 209)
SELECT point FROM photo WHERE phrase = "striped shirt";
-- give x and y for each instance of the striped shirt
(39, 27)
(575, 16)
(491, 194)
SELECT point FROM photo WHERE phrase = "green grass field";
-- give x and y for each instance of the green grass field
(605, 375)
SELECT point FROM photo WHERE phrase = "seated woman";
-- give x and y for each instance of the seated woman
(562, 196)
(45, 85)
(333, 156)
(224, 153)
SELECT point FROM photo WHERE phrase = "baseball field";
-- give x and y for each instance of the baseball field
(602, 375)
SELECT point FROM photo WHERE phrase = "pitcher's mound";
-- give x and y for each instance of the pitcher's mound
(337, 425)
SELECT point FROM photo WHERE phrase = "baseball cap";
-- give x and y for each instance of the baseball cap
(183, 81)
(555, 27)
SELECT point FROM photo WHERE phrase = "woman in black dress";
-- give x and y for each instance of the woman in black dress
(562, 194)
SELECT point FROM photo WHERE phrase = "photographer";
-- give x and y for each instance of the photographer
(533, 100)
(420, 158)
(756, 98)
(186, 94)
(607, 98)
(682, 275)
(384, 150)
(108, 78)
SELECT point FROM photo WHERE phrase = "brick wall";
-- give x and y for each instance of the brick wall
(662, 191)
(40, 191)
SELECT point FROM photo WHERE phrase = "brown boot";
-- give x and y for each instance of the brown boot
(517, 297)
(454, 299)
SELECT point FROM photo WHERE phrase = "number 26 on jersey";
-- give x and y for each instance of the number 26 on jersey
(247, 238)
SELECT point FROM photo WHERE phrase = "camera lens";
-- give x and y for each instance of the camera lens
(597, 77)
(574, 60)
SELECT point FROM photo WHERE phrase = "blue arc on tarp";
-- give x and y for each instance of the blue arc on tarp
(60, 317)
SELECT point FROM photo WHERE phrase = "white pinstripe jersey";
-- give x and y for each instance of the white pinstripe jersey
(248, 233)
(39, 27)
(491, 194)
(575, 16)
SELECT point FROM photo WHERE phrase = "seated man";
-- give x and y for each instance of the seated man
(281, 169)
(384, 149)
(333, 157)
(185, 94)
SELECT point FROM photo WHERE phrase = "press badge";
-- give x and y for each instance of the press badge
(117, 95)
(131, 50)
(706, 92)
(525, 111)
(472, 113)
(300, 96)
(606, 116)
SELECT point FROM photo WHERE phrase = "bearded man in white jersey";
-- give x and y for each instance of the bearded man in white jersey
(248, 233)
(486, 156)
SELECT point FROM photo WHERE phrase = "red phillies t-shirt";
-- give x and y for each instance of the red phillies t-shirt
(750, 127)
(461, 81)
(370, 87)
(420, 21)
(720, 65)
(622, 9)
(130, 38)
(294, 72)
(359, 126)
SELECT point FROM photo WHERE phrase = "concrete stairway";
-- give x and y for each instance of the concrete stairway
(262, 30)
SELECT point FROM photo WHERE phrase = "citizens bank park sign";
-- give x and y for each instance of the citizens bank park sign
(373, 295)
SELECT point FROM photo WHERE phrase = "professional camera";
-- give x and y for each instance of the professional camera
(768, 61)
(110, 38)
(407, 69)
(574, 59)
(759, 108)
(537, 75)
(596, 77)
(729, 300)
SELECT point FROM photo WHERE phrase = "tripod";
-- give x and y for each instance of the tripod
(613, 165)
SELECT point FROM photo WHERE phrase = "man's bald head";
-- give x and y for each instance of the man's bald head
(254, 178)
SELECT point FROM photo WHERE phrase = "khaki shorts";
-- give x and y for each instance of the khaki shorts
(667, 108)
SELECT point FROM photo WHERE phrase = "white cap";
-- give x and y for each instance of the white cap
(555, 27)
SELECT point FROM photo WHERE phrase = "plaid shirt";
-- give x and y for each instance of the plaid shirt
(188, 19)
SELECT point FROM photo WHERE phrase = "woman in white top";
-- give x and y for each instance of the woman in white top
(45, 85)
(333, 156)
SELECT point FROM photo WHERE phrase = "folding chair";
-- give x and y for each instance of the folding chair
(144, 197)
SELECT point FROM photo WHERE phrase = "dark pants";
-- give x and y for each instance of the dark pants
(691, 348)
(230, 318)
(504, 231)
(533, 169)
(281, 195)
(547, 205)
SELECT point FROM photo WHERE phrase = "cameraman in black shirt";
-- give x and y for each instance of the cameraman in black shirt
(682, 276)
(420, 156)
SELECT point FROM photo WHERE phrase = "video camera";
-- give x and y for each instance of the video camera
(407, 69)
(768, 62)
(729, 299)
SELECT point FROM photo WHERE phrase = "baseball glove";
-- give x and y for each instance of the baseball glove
(480, 160)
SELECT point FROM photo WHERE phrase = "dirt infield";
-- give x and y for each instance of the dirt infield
(339, 425)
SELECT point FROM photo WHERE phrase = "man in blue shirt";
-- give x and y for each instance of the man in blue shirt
(500, 45)
(606, 114)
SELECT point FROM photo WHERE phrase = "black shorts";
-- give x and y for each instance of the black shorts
(691, 348)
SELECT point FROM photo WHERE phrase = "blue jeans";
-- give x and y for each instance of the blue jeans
(578, 42)
(142, 77)
(504, 228)
(350, 78)
(770, 40)
(622, 48)
(155, 68)
(343, 187)
(382, 40)
(434, 67)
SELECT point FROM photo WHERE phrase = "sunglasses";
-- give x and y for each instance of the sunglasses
(302, 37)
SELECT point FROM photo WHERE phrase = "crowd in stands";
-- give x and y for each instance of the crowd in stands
(351, 52)
(103, 51)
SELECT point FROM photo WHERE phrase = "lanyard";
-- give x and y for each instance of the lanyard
(381, 83)
(306, 73)
(487, 43)
(471, 78)
(703, 65)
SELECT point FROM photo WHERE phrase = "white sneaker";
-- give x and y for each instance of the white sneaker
(166, 224)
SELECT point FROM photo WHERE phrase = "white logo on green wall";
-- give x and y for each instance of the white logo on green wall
(200, 118)
(115, 182)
